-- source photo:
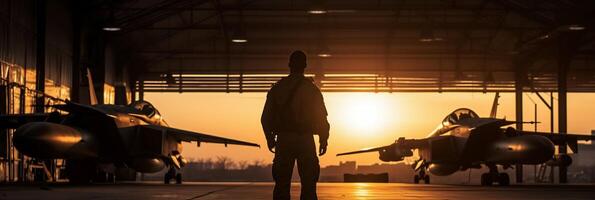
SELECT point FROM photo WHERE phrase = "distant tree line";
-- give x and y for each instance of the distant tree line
(222, 168)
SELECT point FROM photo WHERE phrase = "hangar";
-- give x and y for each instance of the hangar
(132, 47)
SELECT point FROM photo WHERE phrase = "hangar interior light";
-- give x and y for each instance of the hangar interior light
(427, 35)
(317, 8)
(110, 24)
(575, 27)
(324, 52)
(239, 36)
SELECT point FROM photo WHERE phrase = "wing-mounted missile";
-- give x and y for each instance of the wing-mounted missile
(557, 138)
(395, 152)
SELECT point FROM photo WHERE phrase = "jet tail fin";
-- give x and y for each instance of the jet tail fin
(92, 95)
(495, 106)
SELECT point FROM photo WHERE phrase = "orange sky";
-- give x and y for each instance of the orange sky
(358, 120)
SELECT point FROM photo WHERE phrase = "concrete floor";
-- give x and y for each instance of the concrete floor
(343, 191)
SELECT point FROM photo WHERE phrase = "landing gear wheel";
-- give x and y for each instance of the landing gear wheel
(503, 179)
(167, 178)
(427, 179)
(486, 179)
(416, 179)
(169, 175)
(178, 178)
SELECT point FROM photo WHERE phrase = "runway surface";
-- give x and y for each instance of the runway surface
(343, 191)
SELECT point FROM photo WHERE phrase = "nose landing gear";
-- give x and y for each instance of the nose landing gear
(421, 176)
(172, 174)
(487, 179)
(175, 166)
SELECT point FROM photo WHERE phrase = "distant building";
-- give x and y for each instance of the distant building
(334, 173)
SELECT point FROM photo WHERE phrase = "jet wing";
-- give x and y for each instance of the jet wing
(402, 145)
(366, 150)
(188, 136)
(560, 139)
(73, 107)
(14, 121)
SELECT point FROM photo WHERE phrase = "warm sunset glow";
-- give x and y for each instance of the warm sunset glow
(358, 120)
(365, 113)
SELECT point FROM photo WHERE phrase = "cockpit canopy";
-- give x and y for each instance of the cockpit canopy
(458, 115)
(145, 108)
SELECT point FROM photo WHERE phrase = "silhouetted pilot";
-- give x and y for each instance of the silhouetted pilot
(293, 112)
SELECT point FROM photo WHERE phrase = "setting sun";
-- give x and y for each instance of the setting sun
(365, 113)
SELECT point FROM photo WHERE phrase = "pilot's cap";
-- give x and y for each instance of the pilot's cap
(297, 59)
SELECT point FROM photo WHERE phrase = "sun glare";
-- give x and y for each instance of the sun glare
(365, 113)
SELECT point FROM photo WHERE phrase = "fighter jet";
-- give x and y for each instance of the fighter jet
(95, 139)
(463, 140)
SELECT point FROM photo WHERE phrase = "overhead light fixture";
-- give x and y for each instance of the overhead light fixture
(239, 40)
(239, 36)
(427, 35)
(324, 52)
(543, 37)
(110, 24)
(111, 28)
(575, 27)
(317, 8)
(324, 55)
(317, 11)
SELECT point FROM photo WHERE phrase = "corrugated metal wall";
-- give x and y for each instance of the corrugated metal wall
(18, 43)
(58, 60)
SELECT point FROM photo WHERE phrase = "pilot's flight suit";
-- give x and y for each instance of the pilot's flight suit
(294, 134)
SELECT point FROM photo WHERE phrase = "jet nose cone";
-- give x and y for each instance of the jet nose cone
(45, 140)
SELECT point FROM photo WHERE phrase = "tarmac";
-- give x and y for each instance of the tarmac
(343, 191)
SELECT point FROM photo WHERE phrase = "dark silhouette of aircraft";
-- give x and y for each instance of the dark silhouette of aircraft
(464, 140)
(98, 139)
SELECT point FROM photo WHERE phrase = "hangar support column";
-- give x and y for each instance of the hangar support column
(563, 63)
(76, 52)
(40, 55)
(518, 91)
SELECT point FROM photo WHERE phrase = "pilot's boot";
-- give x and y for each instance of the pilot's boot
(308, 168)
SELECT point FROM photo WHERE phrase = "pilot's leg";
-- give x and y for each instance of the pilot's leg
(309, 169)
(282, 169)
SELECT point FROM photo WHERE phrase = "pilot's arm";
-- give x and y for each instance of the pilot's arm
(321, 125)
(267, 121)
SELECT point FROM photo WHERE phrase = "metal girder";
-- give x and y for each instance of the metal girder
(398, 82)
(530, 13)
(41, 23)
(346, 25)
(154, 13)
(347, 9)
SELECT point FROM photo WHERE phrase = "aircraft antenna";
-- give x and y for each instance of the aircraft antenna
(495, 106)
(92, 95)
